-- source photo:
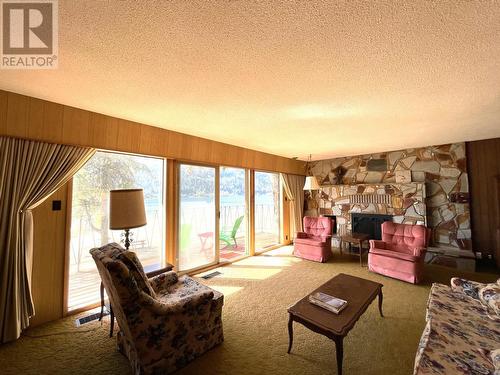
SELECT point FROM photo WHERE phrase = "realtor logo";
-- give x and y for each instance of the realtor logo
(29, 34)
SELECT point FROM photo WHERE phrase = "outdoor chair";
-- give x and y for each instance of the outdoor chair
(229, 237)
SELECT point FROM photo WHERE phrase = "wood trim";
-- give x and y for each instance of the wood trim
(483, 167)
(251, 216)
(497, 231)
(67, 244)
(177, 226)
(31, 118)
(217, 215)
(285, 219)
(171, 213)
(82, 309)
(49, 250)
(247, 213)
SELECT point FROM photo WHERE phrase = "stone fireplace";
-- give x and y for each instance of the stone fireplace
(441, 171)
(401, 203)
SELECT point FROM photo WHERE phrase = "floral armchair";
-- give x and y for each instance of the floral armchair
(166, 321)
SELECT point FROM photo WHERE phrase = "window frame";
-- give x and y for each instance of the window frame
(178, 221)
(280, 221)
(248, 226)
(68, 219)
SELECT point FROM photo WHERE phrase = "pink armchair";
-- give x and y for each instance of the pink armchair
(315, 243)
(401, 252)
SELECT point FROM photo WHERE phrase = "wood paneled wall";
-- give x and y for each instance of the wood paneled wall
(49, 257)
(30, 118)
(25, 117)
(483, 159)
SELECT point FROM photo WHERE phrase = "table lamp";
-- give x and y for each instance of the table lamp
(126, 211)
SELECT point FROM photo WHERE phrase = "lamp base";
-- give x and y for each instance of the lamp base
(127, 238)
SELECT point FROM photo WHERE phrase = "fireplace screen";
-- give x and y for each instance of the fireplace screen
(369, 224)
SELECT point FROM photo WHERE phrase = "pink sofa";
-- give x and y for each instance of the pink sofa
(401, 252)
(315, 243)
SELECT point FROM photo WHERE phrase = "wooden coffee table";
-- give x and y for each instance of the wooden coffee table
(359, 294)
(357, 239)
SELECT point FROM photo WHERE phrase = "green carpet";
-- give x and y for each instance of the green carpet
(257, 291)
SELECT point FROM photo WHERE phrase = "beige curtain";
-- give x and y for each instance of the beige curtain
(29, 173)
(293, 186)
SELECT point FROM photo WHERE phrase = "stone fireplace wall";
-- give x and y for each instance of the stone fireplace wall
(405, 202)
(442, 169)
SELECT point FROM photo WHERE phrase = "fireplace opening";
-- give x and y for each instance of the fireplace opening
(334, 222)
(369, 224)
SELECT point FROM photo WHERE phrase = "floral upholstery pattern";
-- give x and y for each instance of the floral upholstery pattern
(166, 321)
(490, 297)
(458, 336)
(135, 268)
(468, 287)
(163, 281)
(495, 358)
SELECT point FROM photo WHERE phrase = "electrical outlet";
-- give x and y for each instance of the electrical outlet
(56, 205)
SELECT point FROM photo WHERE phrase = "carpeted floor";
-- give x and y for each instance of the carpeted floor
(257, 291)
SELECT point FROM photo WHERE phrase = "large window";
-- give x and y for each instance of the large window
(233, 214)
(90, 218)
(196, 242)
(267, 210)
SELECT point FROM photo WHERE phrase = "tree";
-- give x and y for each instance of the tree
(104, 172)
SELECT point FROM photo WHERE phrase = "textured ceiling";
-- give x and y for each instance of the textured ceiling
(291, 78)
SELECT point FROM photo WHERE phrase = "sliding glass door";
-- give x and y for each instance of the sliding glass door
(233, 221)
(267, 210)
(106, 171)
(197, 212)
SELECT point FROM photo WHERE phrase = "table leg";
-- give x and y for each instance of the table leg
(361, 253)
(361, 247)
(380, 299)
(112, 316)
(339, 348)
(290, 333)
(102, 301)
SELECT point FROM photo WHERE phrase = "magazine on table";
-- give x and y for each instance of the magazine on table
(328, 302)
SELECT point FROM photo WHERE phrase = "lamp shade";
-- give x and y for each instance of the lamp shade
(311, 183)
(126, 209)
